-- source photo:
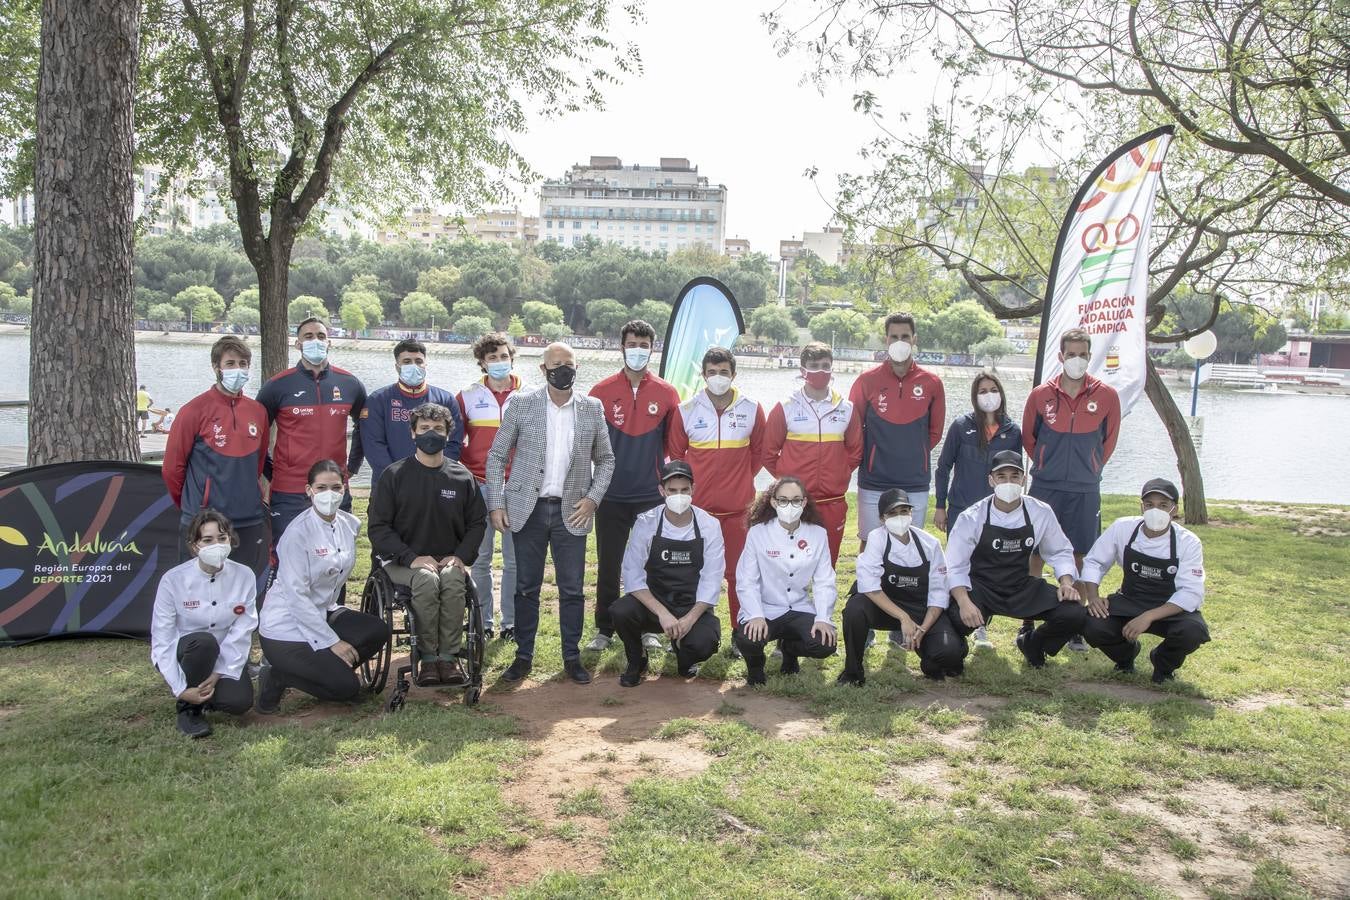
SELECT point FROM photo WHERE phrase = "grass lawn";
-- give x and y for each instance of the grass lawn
(1069, 781)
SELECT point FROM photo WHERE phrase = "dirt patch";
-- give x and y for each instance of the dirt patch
(1310, 514)
(1232, 830)
(591, 742)
(1260, 701)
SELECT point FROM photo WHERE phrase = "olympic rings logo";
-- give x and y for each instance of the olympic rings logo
(1110, 234)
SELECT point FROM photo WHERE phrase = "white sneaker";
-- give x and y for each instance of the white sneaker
(653, 641)
(871, 639)
(982, 641)
(732, 650)
(599, 643)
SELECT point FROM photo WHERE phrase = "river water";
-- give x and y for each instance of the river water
(1254, 445)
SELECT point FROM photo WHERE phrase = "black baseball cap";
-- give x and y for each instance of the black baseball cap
(893, 497)
(676, 468)
(1160, 486)
(1004, 459)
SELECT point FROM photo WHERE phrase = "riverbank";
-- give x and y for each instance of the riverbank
(1230, 781)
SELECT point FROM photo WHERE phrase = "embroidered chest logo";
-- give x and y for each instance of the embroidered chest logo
(904, 581)
(801, 544)
(616, 413)
(1049, 415)
(191, 603)
(252, 429)
(218, 435)
(918, 391)
(337, 394)
(676, 557)
(1092, 406)
(320, 551)
(448, 493)
(239, 609)
(773, 554)
(653, 408)
(881, 402)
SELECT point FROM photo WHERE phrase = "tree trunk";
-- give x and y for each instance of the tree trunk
(82, 370)
(273, 286)
(1188, 461)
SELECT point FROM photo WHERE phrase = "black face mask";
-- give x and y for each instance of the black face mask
(430, 442)
(562, 377)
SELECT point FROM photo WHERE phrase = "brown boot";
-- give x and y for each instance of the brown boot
(451, 671)
(428, 673)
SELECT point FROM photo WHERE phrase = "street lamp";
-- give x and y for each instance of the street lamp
(1199, 347)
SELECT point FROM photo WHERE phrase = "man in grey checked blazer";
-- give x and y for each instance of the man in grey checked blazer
(550, 500)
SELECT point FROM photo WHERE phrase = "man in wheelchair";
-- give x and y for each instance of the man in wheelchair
(427, 520)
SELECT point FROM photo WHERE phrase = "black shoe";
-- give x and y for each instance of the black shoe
(791, 665)
(689, 671)
(632, 676)
(755, 676)
(850, 679)
(517, 671)
(1159, 675)
(1030, 647)
(574, 670)
(509, 634)
(270, 691)
(955, 671)
(192, 723)
(1125, 668)
(488, 634)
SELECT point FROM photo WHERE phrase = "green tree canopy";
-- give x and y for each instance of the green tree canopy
(607, 316)
(303, 307)
(472, 326)
(421, 309)
(554, 331)
(537, 314)
(242, 315)
(441, 282)
(353, 316)
(840, 327)
(655, 313)
(369, 304)
(205, 304)
(247, 297)
(470, 306)
(166, 312)
(516, 328)
(960, 325)
(992, 349)
(774, 323)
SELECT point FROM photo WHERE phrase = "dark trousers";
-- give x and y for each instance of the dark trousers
(542, 531)
(197, 655)
(322, 673)
(613, 523)
(792, 631)
(1058, 625)
(1182, 634)
(632, 620)
(941, 652)
(254, 550)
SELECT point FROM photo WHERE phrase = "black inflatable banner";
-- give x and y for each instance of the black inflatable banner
(82, 548)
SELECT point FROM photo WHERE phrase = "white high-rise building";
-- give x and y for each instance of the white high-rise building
(665, 207)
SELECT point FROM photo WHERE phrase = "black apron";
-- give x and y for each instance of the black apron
(1000, 568)
(1149, 581)
(673, 568)
(906, 586)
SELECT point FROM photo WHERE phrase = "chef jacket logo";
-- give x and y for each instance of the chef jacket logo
(801, 544)
(448, 493)
(773, 554)
(320, 551)
(918, 390)
(652, 408)
(239, 609)
(191, 604)
(617, 413)
(904, 581)
(677, 557)
(1145, 571)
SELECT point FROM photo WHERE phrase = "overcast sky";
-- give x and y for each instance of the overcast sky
(714, 91)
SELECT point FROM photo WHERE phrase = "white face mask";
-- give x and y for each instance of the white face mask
(989, 402)
(1008, 491)
(900, 351)
(898, 525)
(1075, 367)
(718, 385)
(326, 502)
(789, 515)
(636, 358)
(213, 555)
(679, 503)
(1157, 519)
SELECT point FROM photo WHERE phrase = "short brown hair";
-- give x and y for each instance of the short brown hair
(716, 355)
(432, 412)
(900, 318)
(1075, 336)
(229, 344)
(203, 516)
(489, 342)
(816, 350)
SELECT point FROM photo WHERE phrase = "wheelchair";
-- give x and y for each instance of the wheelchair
(392, 603)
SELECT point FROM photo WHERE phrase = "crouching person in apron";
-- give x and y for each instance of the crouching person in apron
(988, 559)
(672, 575)
(1164, 585)
(902, 586)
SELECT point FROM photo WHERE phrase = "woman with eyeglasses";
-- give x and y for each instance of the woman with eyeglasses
(785, 581)
(202, 626)
(309, 640)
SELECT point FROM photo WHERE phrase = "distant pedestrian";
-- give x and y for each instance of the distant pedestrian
(143, 404)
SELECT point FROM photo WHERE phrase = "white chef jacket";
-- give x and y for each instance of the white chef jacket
(190, 600)
(869, 563)
(776, 567)
(1051, 542)
(1109, 550)
(640, 545)
(562, 424)
(314, 558)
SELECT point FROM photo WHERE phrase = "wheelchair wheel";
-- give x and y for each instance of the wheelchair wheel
(475, 648)
(376, 601)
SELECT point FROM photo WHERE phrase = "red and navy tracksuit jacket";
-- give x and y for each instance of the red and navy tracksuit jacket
(214, 456)
(638, 425)
(385, 432)
(902, 423)
(310, 411)
(1069, 439)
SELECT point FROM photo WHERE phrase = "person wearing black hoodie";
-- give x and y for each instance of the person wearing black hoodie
(427, 520)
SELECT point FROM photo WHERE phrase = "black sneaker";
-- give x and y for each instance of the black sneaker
(850, 679)
(755, 676)
(791, 665)
(517, 670)
(689, 672)
(632, 676)
(575, 671)
(1034, 655)
(509, 634)
(488, 634)
(955, 671)
(1160, 676)
(1125, 668)
(270, 691)
(192, 723)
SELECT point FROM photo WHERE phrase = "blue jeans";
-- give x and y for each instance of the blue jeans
(544, 529)
(482, 579)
